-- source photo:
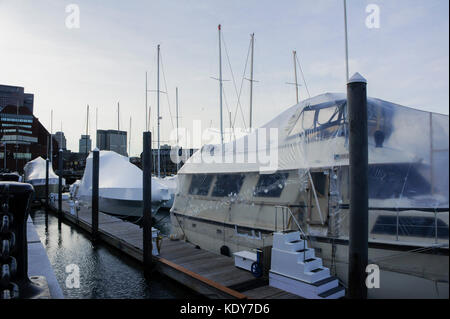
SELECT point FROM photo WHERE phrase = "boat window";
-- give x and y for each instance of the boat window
(413, 226)
(228, 185)
(308, 120)
(200, 184)
(270, 185)
(320, 183)
(327, 115)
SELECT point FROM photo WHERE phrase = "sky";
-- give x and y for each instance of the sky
(405, 59)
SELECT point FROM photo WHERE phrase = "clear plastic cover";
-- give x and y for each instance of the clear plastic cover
(308, 147)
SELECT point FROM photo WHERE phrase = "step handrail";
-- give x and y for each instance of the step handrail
(302, 233)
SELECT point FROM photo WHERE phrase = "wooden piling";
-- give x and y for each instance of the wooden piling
(147, 199)
(359, 196)
(95, 181)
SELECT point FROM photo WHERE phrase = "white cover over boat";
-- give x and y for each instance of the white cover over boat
(120, 185)
(171, 182)
(34, 172)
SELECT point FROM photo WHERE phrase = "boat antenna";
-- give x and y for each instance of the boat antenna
(118, 116)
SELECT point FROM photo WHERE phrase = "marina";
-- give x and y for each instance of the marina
(178, 260)
(309, 162)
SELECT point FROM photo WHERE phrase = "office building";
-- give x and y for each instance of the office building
(85, 144)
(112, 140)
(61, 140)
(15, 96)
(22, 138)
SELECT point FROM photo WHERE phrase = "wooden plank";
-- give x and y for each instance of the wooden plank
(205, 272)
(207, 281)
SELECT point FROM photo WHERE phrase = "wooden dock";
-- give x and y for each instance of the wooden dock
(209, 274)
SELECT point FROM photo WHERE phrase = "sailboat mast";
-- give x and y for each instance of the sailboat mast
(295, 73)
(87, 128)
(51, 136)
(176, 95)
(346, 40)
(146, 104)
(251, 79)
(60, 138)
(220, 85)
(157, 94)
(129, 140)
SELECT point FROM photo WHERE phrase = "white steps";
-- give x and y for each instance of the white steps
(296, 269)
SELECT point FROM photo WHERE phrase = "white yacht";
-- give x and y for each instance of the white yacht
(120, 186)
(228, 202)
(35, 174)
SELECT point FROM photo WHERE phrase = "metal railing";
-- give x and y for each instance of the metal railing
(286, 212)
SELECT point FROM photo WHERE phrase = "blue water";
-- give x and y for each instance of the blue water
(104, 271)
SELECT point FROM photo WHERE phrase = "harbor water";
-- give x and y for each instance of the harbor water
(103, 271)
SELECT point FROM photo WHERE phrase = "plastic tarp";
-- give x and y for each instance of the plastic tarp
(35, 171)
(408, 150)
(118, 179)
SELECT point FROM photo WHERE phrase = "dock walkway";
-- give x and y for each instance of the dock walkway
(209, 274)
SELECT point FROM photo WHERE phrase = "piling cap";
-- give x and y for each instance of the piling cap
(357, 78)
(95, 149)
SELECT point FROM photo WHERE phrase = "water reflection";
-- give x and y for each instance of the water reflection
(104, 272)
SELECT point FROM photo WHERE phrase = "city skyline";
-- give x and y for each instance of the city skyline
(104, 61)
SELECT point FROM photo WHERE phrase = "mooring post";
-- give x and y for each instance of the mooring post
(147, 198)
(60, 169)
(359, 196)
(15, 201)
(47, 163)
(95, 178)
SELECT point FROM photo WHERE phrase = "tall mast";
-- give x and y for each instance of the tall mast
(176, 95)
(251, 79)
(229, 116)
(129, 140)
(60, 138)
(146, 104)
(118, 117)
(295, 73)
(87, 128)
(220, 85)
(346, 40)
(157, 94)
(51, 136)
